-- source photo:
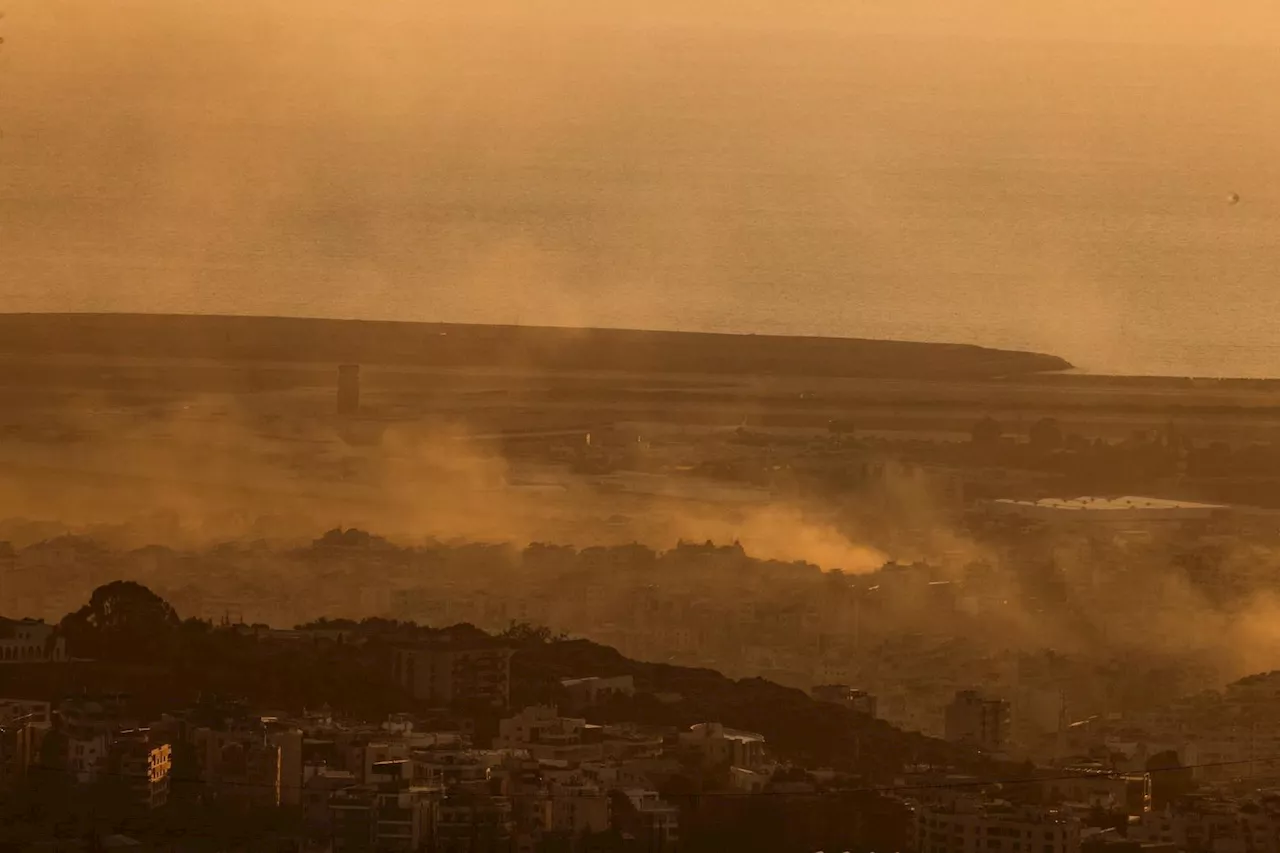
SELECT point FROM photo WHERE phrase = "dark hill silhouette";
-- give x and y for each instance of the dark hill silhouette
(808, 732)
(164, 663)
(278, 339)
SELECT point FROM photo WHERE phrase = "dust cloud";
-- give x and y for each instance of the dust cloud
(241, 492)
(831, 168)
(210, 470)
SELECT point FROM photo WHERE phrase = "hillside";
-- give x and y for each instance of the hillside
(164, 663)
(797, 728)
(277, 339)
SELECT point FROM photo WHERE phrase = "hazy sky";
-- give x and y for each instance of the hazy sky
(1012, 173)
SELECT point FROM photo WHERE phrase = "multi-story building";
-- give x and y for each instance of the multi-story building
(577, 807)
(103, 744)
(656, 824)
(23, 725)
(30, 641)
(141, 766)
(90, 724)
(289, 740)
(365, 758)
(240, 761)
(971, 825)
(720, 745)
(975, 720)
(319, 784)
(541, 731)
(471, 820)
(389, 815)
(446, 674)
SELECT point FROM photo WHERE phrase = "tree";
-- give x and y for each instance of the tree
(122, 621)
(524, 633)
(1045, 435)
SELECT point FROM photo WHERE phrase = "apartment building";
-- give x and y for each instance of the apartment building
(141, 765)
(975, 720)
(719, 745)
(543, 733)
(447, 674)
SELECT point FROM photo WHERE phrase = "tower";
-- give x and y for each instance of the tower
(348, 389)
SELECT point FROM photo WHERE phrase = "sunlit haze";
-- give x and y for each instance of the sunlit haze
(1048, 176)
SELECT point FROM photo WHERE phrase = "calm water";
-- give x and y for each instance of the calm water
(1070, 199)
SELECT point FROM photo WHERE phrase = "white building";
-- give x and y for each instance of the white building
(30, 641)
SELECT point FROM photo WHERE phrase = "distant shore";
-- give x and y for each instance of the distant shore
(303, 340)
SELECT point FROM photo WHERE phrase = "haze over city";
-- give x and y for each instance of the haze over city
(639, 427)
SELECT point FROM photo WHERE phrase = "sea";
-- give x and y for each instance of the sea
(1114, 204)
